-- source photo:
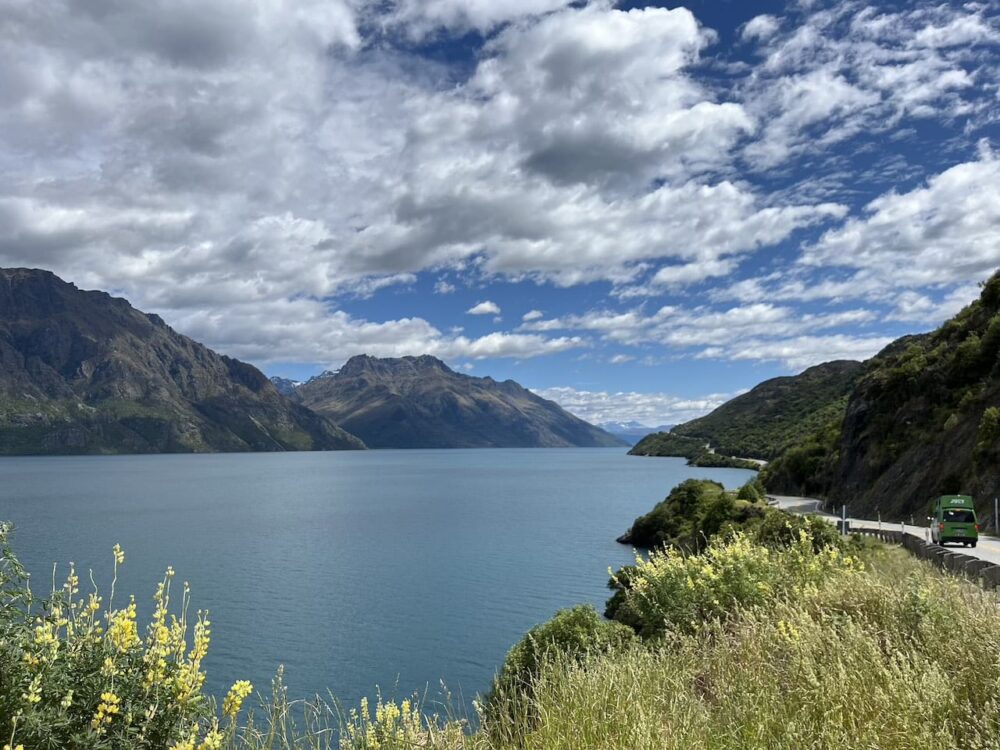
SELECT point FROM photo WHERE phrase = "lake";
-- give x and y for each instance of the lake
(400, 569)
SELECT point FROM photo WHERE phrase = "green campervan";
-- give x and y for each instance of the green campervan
(954, 520)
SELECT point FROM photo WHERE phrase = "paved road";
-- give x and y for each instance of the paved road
(988, 548)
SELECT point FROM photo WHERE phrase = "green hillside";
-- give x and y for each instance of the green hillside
(778, 412)
(923, 420)
(668, 444)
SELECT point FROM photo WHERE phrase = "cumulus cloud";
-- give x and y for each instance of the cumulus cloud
(246, 168)
(650, 409)
(484, 308)
(532, 315)
(947, 230)
(306, 331)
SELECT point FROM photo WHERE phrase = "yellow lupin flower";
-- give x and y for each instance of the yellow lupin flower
(107, 709)
(212, 741)
(119, 554)
(234, 699)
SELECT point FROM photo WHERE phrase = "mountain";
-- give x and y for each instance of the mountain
(778, 412)
(85, 372)
(631, 432)
(286, 387)
(924, 420)
(418, 402)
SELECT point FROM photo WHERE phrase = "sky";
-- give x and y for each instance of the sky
(637, 209)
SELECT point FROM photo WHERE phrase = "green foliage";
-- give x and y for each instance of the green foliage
(694, 449)
(806, 468)
(672, 592)
(694, 511)
(989, 430)
(777, 413)
(753, 491)
(717, 460)
(573, 633)
(76, 673)
(669, 444)
(894, 657)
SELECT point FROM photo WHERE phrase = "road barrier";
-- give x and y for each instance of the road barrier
(985, 573)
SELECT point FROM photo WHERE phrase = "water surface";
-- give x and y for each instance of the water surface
(393, 568)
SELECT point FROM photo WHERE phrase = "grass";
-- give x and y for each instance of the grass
(743, 646)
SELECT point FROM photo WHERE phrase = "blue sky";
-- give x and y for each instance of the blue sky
(636, 209)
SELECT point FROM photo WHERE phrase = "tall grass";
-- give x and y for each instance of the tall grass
(792, 648)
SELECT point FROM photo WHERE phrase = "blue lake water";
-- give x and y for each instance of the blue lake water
(400, 569)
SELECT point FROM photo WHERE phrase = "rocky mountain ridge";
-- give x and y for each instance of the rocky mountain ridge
(419, 402)
(85, 372)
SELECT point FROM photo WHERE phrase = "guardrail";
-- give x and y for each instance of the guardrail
(974, 568)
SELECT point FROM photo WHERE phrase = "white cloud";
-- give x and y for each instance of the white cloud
(443, 287)
(914, 306)
(240, 166)
(484, 308)
(801, 352)
(945, 231)
(772, 330)
(305, 330)
(819, 86)
(760, 27)
(532, 315)
(651, 409)
(620, 359)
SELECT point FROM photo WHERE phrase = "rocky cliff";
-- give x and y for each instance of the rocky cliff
(85, 372)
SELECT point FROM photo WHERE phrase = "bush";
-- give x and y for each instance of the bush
(752, 491)
(782, 530)
(989, 430)
(674, 592)
(76, 673)
(869, 660)
(572, 633)
(693, 512)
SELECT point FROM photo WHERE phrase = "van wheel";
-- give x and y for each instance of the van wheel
(973, 544)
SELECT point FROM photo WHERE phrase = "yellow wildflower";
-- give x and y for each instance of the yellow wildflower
(119, 554)
(107, 709)
(234, 699)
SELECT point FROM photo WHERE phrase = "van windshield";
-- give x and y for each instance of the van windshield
(959, 516)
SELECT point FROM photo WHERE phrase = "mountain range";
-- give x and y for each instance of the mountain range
(419, 402)
(85, 372)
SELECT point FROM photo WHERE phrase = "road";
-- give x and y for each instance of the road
(988, 548)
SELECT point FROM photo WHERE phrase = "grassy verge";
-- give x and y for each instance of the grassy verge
(759, 640)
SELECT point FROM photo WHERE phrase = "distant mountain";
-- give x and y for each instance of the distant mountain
(85, 372)
(631, 432)
(418, 402)
(777, 413)
(923, 420)
(286, 387)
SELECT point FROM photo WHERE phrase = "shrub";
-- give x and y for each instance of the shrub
(989, 430)
(674, 592)
(572, 633)
(752, 491)
(76, 673)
